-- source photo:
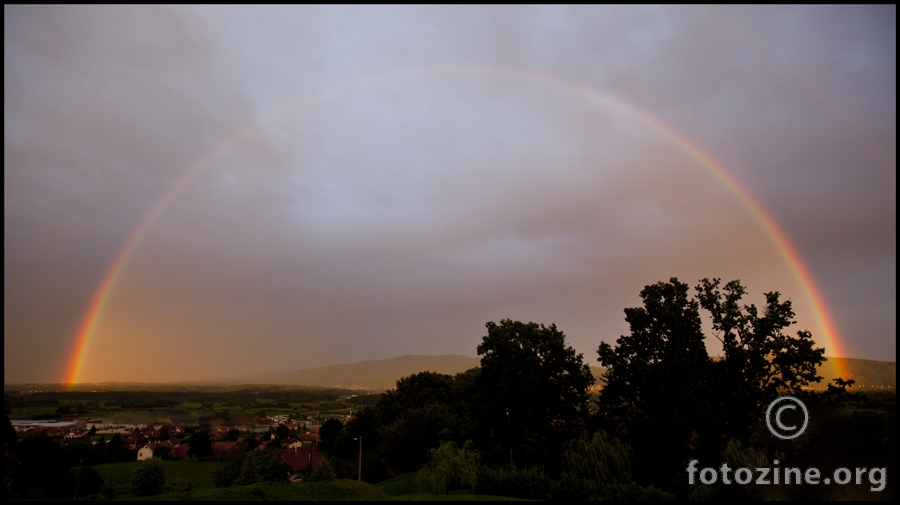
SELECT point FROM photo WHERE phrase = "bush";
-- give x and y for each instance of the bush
(571, 488)
(599, 459)
(633, 492)
(343, 468)
(149, 478)
(233, 462)
(108, 491)
(322, 472)
(183, 487)
(449, 467)
(84, 481)
(243, 466)
(264, 466)
(531, 484)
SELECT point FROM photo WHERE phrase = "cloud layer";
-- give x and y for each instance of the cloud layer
(378, 181)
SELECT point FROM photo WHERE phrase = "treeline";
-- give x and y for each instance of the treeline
(41, 463)
(524, 415)
(157, 399)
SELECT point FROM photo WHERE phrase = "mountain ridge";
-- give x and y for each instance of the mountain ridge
(384, 373)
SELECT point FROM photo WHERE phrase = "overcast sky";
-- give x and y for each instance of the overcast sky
(377, 181)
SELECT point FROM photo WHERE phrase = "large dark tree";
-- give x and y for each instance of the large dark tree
(40, 464)
(656, 379)
(415, 417)
(328, 432)
(361, 431)
(532, 393)
(671, 401)
(200, 445)
(761, 361)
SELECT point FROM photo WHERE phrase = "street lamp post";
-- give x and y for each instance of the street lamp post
(509, 430)
(359, 477)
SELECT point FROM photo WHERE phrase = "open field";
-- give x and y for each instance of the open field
(198, 473)
(200, 476)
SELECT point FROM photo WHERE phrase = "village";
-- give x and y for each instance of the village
(297, 438)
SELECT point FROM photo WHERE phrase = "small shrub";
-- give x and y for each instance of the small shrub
(183, 487)
(343, 468)
(532, 484)
(322, 472)
(108, 491)
(449, 467)
(633, 492)
(149, 478)
(571, 488)
(261, 466)
(84, 481)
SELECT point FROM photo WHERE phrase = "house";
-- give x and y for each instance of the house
(77, 432)
(145, 453)
(180, 451)
(150, 449)
(301, 458)
(77, 440)
(220, 448)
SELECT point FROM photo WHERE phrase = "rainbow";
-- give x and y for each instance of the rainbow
(828, 331)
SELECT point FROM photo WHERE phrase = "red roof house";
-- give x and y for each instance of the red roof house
(220, 448)
(300, 458)
(180, 451)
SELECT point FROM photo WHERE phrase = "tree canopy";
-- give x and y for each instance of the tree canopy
(532, 392)
(672, 398)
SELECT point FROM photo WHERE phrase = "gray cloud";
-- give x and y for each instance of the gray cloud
(410, 176)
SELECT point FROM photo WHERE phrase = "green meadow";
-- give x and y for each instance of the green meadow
(199, 475)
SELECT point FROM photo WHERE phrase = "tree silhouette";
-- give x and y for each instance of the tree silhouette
(199, 445)
(532, 393)
(761, 361)
(656, 379)
(671, 400)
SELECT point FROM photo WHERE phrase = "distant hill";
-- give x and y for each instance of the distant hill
(868, 374)
(383, 374)
(380, 375)
(373, 374)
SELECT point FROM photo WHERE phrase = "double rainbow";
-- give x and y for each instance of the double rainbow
(828, 332)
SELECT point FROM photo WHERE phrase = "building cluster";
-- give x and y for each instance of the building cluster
(171, 441)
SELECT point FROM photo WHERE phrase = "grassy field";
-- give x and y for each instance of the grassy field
(198, 473)
(343, 490)
(400, 485)
(403, 488)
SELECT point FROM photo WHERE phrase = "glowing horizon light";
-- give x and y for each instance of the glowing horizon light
(829, 335)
